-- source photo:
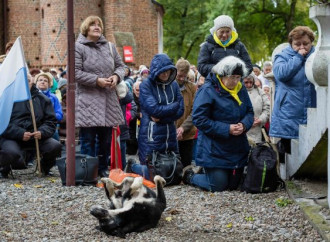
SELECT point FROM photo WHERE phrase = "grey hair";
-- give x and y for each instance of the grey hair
(227, 65)
(267, 63)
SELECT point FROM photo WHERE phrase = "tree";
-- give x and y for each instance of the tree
(261, 24)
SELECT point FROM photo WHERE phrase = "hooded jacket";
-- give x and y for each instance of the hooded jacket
(56, 104)
(96, 106)
(211, 53)
(21, 121)
(213, 112)
(294, 93)
(163, 101)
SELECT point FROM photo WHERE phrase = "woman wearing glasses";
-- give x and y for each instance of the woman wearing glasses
(223, 114)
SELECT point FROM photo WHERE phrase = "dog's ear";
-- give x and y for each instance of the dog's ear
(99, 212)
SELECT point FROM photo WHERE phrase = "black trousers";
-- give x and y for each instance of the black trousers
(186, 151)
(49, 149)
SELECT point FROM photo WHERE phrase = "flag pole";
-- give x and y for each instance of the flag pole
(35, 138)
(116, 155)
(32, 114)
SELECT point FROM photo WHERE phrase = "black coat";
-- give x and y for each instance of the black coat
(21, 121)
(211, 53)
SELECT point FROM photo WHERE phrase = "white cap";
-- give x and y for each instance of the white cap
(223, 21)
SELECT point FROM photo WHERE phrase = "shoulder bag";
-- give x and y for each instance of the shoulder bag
(86, 169)
(121, 87)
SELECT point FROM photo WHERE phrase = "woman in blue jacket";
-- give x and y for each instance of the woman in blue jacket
(44, 82)
(294, 93)
(223, 114)
(161, 104)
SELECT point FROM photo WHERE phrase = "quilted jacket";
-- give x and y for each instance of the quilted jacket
(96, 106)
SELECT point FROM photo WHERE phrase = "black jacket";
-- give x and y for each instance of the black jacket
(211, 53)
(21, 121)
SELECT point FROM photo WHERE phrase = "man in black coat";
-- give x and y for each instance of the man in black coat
(20, 136)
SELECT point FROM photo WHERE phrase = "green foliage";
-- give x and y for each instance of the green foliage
(283, 202)
(261, 24)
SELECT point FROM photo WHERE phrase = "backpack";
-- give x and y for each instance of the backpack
(262, 176)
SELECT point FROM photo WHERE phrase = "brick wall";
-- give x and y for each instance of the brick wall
(2, 44)
(43, 27)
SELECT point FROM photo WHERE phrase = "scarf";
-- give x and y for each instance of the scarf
(232, 39)
(234, 92)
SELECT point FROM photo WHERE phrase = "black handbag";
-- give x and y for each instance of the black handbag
(167, 165)
(86, 169)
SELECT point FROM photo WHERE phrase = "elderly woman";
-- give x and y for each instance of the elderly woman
(161, 105)
(44, 82)
(261, 108)
(223, 41)
(97, 72)
(293, 91)
(223, 114)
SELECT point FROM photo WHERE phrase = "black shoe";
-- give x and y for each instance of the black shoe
(187, 176)
(3, 175)
(30, 163)
(104, 173)
(128, 168)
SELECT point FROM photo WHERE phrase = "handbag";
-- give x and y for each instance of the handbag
(121, 87)
(86, 169)
(167, 165)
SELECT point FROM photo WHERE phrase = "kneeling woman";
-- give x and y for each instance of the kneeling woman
(223, 114)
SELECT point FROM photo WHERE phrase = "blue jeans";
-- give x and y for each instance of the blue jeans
(123, 152)
(217, 179)
(88, 140)
(141, 170)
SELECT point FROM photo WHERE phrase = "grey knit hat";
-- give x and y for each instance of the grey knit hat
(222, 21)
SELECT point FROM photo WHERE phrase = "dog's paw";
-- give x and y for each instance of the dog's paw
(137, 184)
(160, 180)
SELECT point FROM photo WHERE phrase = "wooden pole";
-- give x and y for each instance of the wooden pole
(70, 113)
(36, 139)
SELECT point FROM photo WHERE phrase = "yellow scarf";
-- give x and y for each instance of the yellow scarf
(234, 37)
(233, 92)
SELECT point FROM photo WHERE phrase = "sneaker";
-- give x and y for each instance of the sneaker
(128, 168)
(187, 176)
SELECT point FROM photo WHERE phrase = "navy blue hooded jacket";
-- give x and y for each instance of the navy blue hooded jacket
(213, 112)
(162, 101)
(294, 93)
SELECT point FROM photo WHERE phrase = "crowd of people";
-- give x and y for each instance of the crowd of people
(209, 115)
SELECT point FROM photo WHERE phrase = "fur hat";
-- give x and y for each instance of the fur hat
(230, 65)
(47, 75)
(223, 21)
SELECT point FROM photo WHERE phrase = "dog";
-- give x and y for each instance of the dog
(133, 206)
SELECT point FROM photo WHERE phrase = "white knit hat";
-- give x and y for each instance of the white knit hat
(222, 21)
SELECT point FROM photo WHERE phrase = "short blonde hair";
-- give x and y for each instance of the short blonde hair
(47, 75)
(183, 65)
(88, 22)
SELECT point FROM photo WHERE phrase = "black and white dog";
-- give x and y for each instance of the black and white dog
(133, 206)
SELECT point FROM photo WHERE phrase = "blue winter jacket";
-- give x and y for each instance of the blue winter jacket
(163, 101)
(294, 93)
(56, 104)
(213, 112)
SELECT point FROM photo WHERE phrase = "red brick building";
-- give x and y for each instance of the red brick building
(42, 24)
